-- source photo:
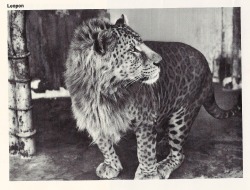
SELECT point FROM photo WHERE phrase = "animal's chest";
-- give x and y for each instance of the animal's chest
(142, 109)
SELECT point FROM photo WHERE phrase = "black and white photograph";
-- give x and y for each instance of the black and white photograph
(125, 94)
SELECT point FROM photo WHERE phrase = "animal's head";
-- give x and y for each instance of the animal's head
(111, 55)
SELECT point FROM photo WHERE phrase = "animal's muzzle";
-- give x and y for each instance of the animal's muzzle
(151, 55)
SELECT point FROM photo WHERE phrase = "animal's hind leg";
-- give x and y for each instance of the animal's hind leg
(162, 139)
(179, 126)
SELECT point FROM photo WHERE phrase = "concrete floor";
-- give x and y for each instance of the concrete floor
(213, 149)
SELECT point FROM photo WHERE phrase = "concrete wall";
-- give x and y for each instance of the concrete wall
(201, 28)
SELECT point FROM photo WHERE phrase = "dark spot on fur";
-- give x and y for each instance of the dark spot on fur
(112, 79)
(171, 126)
(183, 128)
(179, 122)
(133, 121)
(181, 136)
(176, 141)
(174, 149)
(150, 159)
(173, 132)
(153, 141)
(150, 138)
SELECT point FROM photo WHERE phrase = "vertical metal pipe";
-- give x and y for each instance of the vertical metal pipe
(217, 62)
(236, 68)
(22, 84)
(13, 139)
(223, 31)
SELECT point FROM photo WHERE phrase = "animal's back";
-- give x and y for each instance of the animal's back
(185, 76)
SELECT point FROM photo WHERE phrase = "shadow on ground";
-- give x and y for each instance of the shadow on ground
(213, 149)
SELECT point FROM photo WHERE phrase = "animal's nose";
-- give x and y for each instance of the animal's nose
(157, 59)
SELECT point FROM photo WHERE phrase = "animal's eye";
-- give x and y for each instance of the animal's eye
(135, 49)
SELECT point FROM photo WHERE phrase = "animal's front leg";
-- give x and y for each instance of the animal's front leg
(146, 152)
(111, 166)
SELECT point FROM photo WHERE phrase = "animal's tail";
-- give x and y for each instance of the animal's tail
(213, 109)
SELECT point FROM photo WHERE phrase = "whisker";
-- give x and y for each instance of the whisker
(131, 82)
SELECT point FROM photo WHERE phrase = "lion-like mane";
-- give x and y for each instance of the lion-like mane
(97, 105)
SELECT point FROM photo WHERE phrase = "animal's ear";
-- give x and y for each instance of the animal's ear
(122, 20)
(105, 42)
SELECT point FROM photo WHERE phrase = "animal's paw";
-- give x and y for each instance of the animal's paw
(107, 171)
(167, 166)
(164, 171)
(146, 175)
